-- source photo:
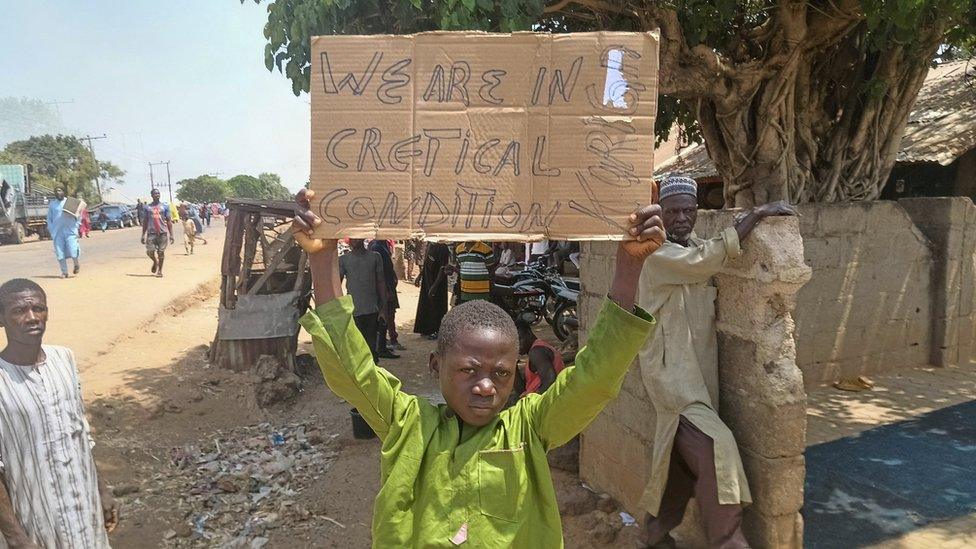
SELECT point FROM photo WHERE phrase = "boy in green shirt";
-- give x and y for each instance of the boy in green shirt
(466, 473)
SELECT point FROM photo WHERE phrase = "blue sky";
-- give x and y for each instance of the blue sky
(177, 80)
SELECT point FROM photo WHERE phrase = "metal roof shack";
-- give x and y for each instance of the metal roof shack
(942, 125)
(265, 286)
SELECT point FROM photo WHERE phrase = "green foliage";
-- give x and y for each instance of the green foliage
(202, 189)
(63, 161)
(723, 25)
(267, 186)
(273, 187)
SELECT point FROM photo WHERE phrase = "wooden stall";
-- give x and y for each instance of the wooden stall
(265, 286)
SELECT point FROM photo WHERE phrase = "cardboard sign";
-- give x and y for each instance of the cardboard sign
(468, 135)
(74, 206)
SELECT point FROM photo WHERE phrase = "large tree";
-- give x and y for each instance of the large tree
(805, 100)
(266, 186)
(202, 189)
(63, 161)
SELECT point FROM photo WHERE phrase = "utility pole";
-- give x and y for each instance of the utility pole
(57, 105)
(98, 185)
(169, 183)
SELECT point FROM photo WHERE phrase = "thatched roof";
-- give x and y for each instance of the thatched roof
(941, 126)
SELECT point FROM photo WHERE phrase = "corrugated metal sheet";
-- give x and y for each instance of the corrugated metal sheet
(241, 354)
(941, 127)
(692, 162)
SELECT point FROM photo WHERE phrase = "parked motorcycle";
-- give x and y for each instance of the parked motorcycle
(553, 299)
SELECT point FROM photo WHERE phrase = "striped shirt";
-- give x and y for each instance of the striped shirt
(473, 259)
(45, 453)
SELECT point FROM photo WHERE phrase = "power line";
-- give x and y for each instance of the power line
(57, 105)
(169, 183)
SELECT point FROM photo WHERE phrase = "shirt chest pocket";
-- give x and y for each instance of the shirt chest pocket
(502, 482)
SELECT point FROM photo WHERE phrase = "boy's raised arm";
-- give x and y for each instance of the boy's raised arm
(342, 353)
(581, 391)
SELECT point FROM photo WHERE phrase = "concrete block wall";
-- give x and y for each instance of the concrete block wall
(867, 306)
(949, 223)
(615, 451)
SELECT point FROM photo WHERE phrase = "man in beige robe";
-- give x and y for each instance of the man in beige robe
(694, 454)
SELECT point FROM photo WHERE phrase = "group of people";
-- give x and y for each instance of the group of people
(471, 470)
(502, 441)
(155, 217)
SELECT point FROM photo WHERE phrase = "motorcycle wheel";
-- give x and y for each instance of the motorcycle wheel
(550, 311)
(565, 312)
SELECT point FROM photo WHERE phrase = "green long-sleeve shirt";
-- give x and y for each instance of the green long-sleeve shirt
(439, 475)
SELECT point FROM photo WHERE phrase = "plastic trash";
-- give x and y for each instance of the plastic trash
(627, 519)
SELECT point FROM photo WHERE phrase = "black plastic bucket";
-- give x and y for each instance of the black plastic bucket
(360, 429)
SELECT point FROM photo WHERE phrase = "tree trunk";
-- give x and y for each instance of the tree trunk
(824, 127)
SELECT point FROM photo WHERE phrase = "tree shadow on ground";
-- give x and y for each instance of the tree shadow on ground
(891, 480)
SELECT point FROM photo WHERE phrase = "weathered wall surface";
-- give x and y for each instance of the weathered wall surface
(892, 287)
(866, 308)
(950, 226)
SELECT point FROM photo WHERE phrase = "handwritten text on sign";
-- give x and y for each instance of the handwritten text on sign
(472, 135)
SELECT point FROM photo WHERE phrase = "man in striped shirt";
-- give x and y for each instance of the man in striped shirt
(50, 495)
(476, 262)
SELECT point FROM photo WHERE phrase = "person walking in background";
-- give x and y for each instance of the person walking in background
(387, 327)
(140, 209)
(432, 304)
(85, 228)
(51, 494)
(63, 228)
(412, 253)
(475, 264)
(205, 212)
(157, 232)
(194, 212)
(365, 282)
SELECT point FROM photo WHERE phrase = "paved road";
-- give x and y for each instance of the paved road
(115, 293)
(36, 259)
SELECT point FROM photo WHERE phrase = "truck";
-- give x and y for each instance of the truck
(23, 206)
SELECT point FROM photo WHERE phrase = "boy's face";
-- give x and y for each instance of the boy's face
(476, 375)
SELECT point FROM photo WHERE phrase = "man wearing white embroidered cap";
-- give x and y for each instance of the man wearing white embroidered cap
(694, 454)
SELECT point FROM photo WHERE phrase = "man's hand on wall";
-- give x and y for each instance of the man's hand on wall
(780, 207)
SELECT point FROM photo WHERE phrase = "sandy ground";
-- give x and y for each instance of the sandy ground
(152, 392)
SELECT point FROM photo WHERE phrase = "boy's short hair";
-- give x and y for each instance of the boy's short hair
(16, 286)
(474, 314)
